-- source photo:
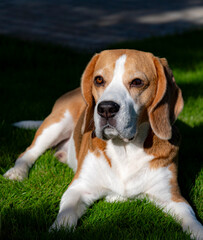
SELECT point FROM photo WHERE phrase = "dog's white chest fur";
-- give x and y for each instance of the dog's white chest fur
(129, 166)
(129, 174)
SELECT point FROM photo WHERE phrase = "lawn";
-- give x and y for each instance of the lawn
(32, 77)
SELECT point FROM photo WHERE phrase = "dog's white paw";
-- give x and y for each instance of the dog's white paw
(65, 219)
(17, 173)
(197, 231)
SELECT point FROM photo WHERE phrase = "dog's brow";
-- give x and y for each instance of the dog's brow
(101, 70)
(118, 64)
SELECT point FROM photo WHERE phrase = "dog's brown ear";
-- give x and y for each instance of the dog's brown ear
(168, 101)
(86, 87)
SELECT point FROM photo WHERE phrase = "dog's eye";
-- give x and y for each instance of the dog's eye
(99, 81)
(137, 82)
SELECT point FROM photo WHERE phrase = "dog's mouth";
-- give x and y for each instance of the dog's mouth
(110, 132)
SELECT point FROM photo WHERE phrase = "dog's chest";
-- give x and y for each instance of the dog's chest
(127, 175)
(129, 168)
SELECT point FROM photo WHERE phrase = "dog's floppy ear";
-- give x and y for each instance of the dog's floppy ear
(86, 87)
(168, 101)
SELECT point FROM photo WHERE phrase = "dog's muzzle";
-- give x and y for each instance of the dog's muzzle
(113, 120)
(107, 110)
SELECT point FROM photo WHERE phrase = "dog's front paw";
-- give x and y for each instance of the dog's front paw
(17, 173)
(65, 219)
(194, 227)
(197, 232)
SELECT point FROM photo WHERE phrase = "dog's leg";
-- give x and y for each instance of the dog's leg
(74, 202)
(183, 212)
(180, 209)
(50, 133)
(186, 215)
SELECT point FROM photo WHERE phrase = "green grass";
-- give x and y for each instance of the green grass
(32, 77)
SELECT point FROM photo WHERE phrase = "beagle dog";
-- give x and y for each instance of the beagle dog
(117, 135)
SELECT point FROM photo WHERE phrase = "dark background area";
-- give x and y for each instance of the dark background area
(92, 25)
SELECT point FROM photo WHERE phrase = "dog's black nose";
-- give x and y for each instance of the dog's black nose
(107, 109)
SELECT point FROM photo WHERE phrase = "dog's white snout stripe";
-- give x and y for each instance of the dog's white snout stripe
(114, 91)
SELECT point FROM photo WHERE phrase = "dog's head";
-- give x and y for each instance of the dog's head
(125, 88)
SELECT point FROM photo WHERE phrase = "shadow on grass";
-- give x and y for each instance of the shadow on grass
(190, 155)
(143, 224)
(193, 90)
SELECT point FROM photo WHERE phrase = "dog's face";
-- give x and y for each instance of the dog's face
(123, 88)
